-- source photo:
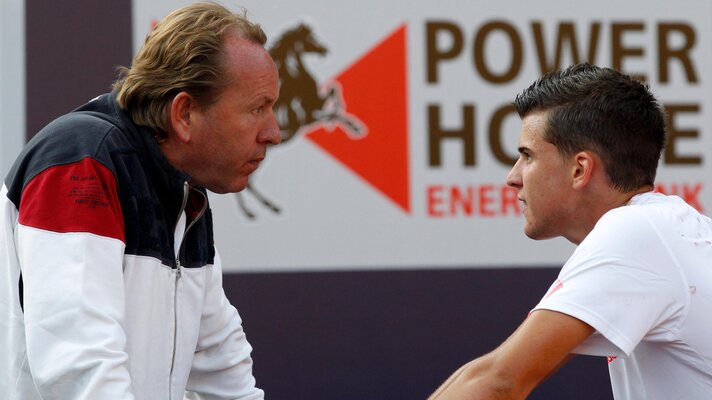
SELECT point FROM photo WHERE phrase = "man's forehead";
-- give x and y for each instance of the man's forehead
(534, 126)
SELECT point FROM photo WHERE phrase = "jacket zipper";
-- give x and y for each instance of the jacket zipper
(186, 193)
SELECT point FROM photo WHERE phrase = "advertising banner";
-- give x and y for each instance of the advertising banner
(398, 129)
(12, 78)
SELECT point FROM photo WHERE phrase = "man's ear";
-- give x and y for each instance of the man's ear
(182, 118)
(584, 164)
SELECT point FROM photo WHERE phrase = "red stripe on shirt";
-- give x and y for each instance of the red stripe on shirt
(554, 289)
(76, 197)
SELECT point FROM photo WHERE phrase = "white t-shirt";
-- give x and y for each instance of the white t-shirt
(643, 279)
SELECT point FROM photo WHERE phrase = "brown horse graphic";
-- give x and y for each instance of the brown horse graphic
(301, 103)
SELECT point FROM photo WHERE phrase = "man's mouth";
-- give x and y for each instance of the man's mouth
(255, 163)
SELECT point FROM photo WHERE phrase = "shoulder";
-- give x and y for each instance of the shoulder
(637, 234)
(79, 130)
(650, 215)
(67, 140)
(646, 213)
(622, 226)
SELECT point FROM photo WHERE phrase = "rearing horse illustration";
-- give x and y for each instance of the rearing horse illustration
(301, 103)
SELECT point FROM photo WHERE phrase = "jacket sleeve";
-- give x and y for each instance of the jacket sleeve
(222, 366)
(69, 240)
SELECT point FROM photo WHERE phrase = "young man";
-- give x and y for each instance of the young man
(638, 288)
(112, 287)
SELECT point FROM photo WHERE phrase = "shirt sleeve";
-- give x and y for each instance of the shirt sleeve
(70, 249)
(622, 281)
(222, 365)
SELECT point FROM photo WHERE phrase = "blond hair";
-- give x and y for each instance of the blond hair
(182, 54)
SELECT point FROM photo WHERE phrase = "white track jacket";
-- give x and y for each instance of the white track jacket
(110, 286)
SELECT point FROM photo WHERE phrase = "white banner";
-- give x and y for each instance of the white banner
(400, 157)
(12, 82)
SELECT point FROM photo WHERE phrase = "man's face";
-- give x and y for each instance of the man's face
(542, 178)
(230, 137)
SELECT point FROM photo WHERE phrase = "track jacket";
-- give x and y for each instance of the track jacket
(108, 289)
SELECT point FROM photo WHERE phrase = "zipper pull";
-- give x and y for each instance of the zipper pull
(178, 268)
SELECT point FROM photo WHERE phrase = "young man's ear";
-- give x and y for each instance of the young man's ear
(181, 116)
(585, 164)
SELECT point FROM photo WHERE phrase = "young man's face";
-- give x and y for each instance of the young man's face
(543, 181)
(231, 136)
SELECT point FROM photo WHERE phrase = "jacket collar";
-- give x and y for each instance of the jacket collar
(167, 180)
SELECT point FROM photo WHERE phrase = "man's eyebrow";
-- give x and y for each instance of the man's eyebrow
(264, 99)
(523, 149)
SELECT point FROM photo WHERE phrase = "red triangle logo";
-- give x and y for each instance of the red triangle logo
(374, 91)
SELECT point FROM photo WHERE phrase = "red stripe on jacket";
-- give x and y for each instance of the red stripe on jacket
(76, 197)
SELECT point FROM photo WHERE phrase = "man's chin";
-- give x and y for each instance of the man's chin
(532, 232)
(530, 235)
(233, 187)
(236, 188)
(538, 235)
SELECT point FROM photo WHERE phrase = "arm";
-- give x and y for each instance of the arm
(70, 250)
(536, 350)
(222, 365)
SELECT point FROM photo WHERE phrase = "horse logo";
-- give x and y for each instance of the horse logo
(302, 104)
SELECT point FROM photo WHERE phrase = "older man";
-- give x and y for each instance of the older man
(112, 287)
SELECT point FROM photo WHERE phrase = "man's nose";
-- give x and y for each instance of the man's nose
(514, 177)
(272, 134)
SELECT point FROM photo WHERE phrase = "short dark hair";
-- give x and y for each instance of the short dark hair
(604, 111)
